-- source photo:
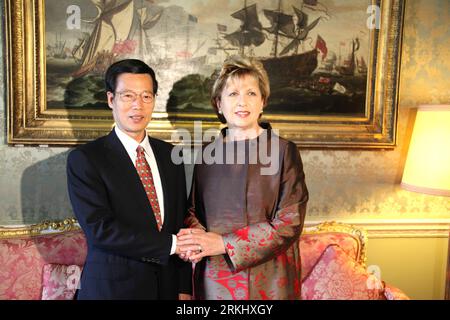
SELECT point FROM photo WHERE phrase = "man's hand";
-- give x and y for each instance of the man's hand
(200, 244)
(184, 253)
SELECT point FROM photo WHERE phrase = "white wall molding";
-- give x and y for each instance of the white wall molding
(384, 228)
(397, 228)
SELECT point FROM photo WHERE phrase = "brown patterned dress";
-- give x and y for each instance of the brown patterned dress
(260, 217)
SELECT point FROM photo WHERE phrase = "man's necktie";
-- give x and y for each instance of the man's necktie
(145, 173)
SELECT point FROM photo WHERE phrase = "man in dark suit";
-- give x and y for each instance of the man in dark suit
(130, 199)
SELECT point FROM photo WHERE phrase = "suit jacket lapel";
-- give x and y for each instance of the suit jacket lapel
(118, 158)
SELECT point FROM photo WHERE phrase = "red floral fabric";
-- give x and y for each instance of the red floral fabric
(22, 261)
(59, 282)
(313, 245)
(336, 276)
(393, 293)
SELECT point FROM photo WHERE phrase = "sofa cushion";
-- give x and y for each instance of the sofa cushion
(312, 245)
(393, 293)
(59, 281)
(337, 276)
(22, 260)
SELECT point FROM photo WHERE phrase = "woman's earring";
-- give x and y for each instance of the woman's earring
(220, 111)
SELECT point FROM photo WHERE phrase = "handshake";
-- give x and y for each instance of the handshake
(193, 244)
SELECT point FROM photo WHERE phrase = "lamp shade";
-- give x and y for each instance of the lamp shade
(427, 167)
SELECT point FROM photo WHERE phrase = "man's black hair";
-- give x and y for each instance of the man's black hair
(128, 66)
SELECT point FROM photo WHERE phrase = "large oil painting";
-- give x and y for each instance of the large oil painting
(332, 64)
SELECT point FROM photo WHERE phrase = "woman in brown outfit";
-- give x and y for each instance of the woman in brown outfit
(248, 198)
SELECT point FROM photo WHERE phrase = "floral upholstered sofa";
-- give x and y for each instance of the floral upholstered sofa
(44, 261)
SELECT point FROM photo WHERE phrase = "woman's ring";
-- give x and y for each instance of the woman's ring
(200, 248)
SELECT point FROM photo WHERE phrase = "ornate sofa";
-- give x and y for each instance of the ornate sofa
(44, 261)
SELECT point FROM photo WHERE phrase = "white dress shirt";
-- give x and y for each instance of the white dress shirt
(130, 146)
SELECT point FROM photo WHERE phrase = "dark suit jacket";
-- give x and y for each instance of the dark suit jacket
(128, 258)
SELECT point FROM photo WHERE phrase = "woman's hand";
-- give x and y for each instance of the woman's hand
(185, 254)
(200, 244)
(190, 231)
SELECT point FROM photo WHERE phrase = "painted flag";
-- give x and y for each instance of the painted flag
(193, 18)
(222, 28)
(184, 54)
(124, 47)
(324, 80)
(322, 46)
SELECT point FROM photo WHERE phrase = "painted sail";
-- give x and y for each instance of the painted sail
(143, 21)
(249, 32)
(302, 17)
(79, 48)
(279, 22)
(301, 31)
(112, 24)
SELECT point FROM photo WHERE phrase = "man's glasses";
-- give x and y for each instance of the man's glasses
(130, 96)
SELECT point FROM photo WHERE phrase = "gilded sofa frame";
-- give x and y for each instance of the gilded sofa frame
(71, 224)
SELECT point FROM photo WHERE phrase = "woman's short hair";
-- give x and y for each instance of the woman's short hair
(236, 67)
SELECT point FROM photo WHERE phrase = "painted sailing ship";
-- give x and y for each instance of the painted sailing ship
(284, 62)
(349, 65)
(352, 65)
(361, 66)
(120, 28)
(58, 55)
(58, 50)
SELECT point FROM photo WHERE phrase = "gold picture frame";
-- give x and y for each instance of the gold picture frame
(32, 122)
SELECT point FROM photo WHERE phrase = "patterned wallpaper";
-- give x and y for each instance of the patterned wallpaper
(32, 180)
(365, 184)
(342, 183)
(426, 53)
